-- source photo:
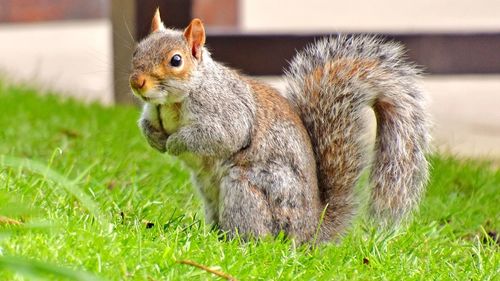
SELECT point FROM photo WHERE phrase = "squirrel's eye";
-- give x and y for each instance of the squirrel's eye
(176, 60)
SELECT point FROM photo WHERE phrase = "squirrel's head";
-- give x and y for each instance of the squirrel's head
(164, 61)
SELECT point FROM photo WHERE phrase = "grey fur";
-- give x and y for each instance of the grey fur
(255, 161)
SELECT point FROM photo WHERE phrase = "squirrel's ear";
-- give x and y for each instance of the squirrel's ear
(195, 36)
(156, 23)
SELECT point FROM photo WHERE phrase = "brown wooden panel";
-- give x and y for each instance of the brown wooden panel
(454, 53)
(258, 54)
(217, 13)
(47, 10)
(174, 13)
(123, 18)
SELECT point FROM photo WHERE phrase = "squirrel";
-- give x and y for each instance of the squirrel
(268, 162)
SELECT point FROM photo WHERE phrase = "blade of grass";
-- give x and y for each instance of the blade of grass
(36, 269)
(6, 220)
(208, 269)
(70, 186)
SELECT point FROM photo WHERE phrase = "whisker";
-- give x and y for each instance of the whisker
(128, 29)
(167, 86)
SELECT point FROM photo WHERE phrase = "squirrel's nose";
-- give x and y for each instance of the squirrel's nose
(137, 81)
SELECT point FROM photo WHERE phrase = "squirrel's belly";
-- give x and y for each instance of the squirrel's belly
(170, 115)
(208, 173)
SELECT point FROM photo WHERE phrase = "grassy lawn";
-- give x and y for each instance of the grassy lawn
(96, 203)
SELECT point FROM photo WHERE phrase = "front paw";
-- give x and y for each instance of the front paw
(157, 138)
(175, 145)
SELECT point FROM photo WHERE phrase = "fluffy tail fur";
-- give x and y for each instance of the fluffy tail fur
(331, 83)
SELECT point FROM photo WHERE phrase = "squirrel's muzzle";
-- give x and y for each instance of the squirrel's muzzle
(137, 82)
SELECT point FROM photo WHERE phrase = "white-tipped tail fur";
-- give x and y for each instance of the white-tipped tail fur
(331, 82)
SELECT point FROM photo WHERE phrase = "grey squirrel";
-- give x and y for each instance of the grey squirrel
(268, 163)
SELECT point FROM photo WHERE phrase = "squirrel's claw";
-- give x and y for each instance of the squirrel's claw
(156, 138)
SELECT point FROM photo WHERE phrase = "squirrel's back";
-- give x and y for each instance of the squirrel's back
(331, 83)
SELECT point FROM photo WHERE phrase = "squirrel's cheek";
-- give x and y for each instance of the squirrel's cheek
(182, 74)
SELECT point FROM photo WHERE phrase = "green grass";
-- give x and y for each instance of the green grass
(98, 203)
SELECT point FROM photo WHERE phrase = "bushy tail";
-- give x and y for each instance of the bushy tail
(331, 83)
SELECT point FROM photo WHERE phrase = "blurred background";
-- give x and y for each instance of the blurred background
(82, 48)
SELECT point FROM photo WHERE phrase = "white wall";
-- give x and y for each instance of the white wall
(74, 58)
(366, 15)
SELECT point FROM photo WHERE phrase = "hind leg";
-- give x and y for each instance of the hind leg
(244, 209)
(256, 203)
